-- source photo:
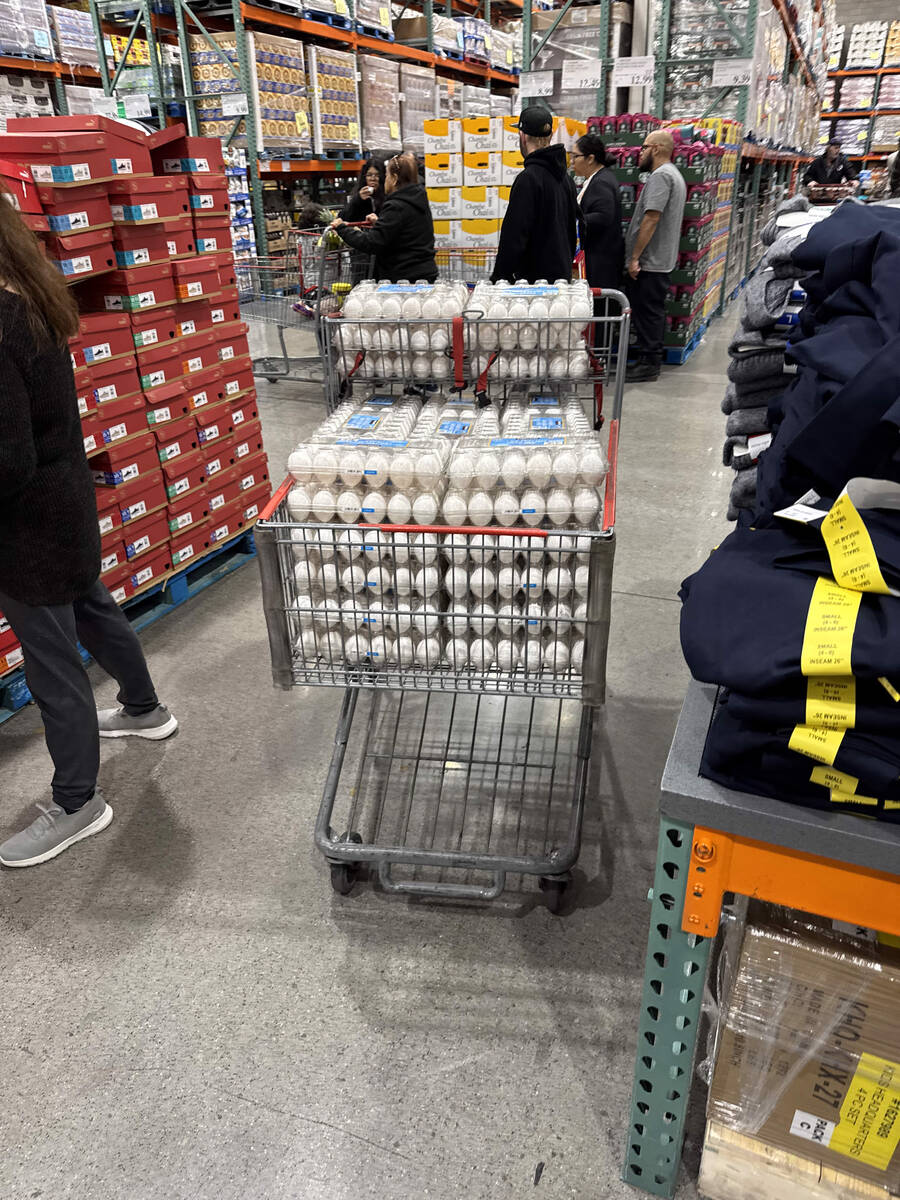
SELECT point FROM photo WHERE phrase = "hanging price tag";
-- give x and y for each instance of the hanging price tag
(732, 72)
(234, 104)
(340, 7)
(536, 83)
(302, 122)
(634, 72)
(581, 74)
(395, 130)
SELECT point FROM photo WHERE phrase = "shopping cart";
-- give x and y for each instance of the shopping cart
(295, 291)
(464, 264)
(471, 768)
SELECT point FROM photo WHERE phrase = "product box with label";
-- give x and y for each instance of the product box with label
(809, 1047)
(187, 155)
(443, 135)
(226, 525)
(76, 210)
(213, 425)
(66, 159)
(254, 472)
(134, 289)
(10, 651)
(481, 168)
(479, 203)
(180, 237)
(253, 502)
(128, 145)
(166, 404)
(443, 170)
(187, 510)
(111, 379)
(125, 461)
(140, 247)
(101, 337)
(184, 475)
(120, 420)
(149, 201)
(445, 203)
(139, 498)
(177, 439)
(247, 442)
(112, 557)
(208, 195)
(160, 365)
(232, 343)
(199, 352)
(511, 163)
(243, 411)
(212, 235)
(192, 317)
(189, 544)
(151, 571)
(205, 389)
(108, 516)
(152, 328)
(195, 278)
(144, 536)
(226, 307)
(223, 492)
(17, 183)
(224, 260)
(82, 254)
(237, 378)
(217, 459)
(482, 135)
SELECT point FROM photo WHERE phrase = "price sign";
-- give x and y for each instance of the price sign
(634, 71)
(536, 83)
(130, 106)
(234, 104)
(732, 72)
(582, 74)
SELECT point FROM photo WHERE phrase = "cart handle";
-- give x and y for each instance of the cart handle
(612, 455)
(468, 530)
(277, 499)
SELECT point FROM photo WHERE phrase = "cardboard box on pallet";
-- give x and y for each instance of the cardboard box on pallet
(199, 352)
(180, 237)
(226, 524)
(189, 544)
(208, 195)
(137, 246)
(82, 254)
(187, 510)
(232, 343)
(238, 378)
(214, 425)
(225, 494)
(244, 411)
(160, 365)
(112, 557)
(72, 159)
(248, 442)
(809, 1045)
(11, 655)
(186, 155)
(146, 535)
(150, 329)
(139, 498)
(166, 404)
(205, 389)
(17, 183)
(177, 439)
(227, 274)
(151, 570)
(185, 474)
(76, 210)
(132, 290)
(101, 337)
(225, 308)
(195, 278)
(111, 380)
(212, 235)
(193, 316)
(123, 463)
(120, 420)
(253, 472)
(128, 142)
(152, 201)
(254, 501)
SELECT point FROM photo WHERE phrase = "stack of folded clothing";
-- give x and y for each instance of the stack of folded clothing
(797, 616)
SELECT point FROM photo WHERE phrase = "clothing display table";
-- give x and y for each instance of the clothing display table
(712, 841)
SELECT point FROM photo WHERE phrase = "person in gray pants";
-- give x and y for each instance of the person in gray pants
(50, 590)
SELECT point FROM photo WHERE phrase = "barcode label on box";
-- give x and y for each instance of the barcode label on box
(184, 553)
(226, 353)
(90, 444)
(812, 1128)
(176, 489)
(181, 522)
(170, 451)
(217, 501)
(129, 472)
(243, 449)
(147, 337)
(134, 511)
(220, 533)
(97, 353)
(105, 393)
(188, 327)
(60, 173)
(213, 467)
(158, 415)
(107, 525)
(238, 417)
(115, 432)
(107, 564)
(143, 300)
(15, 657)
(121, 166)
(193, 364)
(232, 387)
(195, 288)
(138, 547)
(218, 315)
(68, 221)
(119, 595)
(251, 512)
(82, 406)
(172, 247)
(209, 434)
(247, 482)
(142, 577)
(77, 266)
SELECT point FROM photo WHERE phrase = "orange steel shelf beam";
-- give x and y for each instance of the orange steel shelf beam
(310, 166)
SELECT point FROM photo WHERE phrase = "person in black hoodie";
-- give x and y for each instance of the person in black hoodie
(539, 232)
(368, 195)
(401, 236)
(601, 214)
(50, 590)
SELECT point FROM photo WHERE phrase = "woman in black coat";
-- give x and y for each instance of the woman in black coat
(368, 195)
(402, 235)
(601, 214)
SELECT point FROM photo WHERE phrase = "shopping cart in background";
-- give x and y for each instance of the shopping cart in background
(463, 769)
(295, 291)
(464, 264)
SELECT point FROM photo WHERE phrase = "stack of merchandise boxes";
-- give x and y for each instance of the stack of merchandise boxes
(470, 165)
(892, 46)
(476, 35)
(577, 36)
(834, 46)
(506, 47)
(413, 31)
(23, 96)
(331, 81)
(857, 92)
(417, 100)
(25, 29)
(867, 44)
(162, 369)
(476, 101)
(374, 17)
(74, 32)
(448, 99)
(379, 85)
(243, 237)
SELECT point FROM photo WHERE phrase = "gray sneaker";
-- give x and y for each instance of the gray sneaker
(53, 831)
(156, 725)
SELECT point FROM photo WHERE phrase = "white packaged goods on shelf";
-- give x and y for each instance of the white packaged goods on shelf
(25, 29)
(835, 46)
(335, 99)
(74, 32)
(476, 101)
(886, 130)
(448, 99)
(378, 89)
(867, 44)
(374, 14)
(892, 46)
(23, 96)
(889, 94)
(416, 104)
(857, 92)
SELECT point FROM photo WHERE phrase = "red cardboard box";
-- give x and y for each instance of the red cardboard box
(225, 525)
(152, 328)
(149, 201)
(187, 510)
(216, 460)
(199, 352)
(11, 658)
(193, 317)
(76, 211)
(87, 401)
(177, 440)
(247, 442)
(208, 194)
(140, 246)
(113, 457)
(111, 379)
(70, 159)
(204, 389)
(90, 433)
(227, 273)
(220, 498)
(135, 289)
(184, 475)
(254, 502)
(101, 337)
(225, 309)
(133, 463)
(243, 411)
(124, 424)
(160, 365)
(238, 377)
(213, 424)
(17, 183)
(195, 278)
(212, 235)
(112, 556)
(141, 497)
(120, 589)
(146, 535)
(108, 515)
(166, 404)
(180, 237)
(191, 544)
(127, 145)
(233, 345)
(82, 253)
(151, 570)
(254, 472)
(188, 156)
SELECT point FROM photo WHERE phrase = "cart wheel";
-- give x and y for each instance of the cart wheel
(271, 379)
(558, 890)
(343, 877)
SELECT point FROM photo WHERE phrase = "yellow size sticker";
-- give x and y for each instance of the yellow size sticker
(352, 129)
(853, 558)
(820, 744)
(384, 17)
(828, 636)
(869, 1128)
(831, 701)
(340, 7)
(834, 780)
(889, 688)
(839, 797)
(302, 122)
(394, 127)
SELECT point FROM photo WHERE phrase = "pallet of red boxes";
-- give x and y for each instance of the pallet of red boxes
(139, 225)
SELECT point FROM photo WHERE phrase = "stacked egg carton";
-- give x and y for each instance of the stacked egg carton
(525, 331)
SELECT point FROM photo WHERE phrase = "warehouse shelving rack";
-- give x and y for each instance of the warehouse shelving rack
(871, 113)
(532, 45)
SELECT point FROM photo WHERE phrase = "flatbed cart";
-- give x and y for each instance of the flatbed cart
(463, 772)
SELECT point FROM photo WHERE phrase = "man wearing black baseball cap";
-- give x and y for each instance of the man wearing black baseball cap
(830, 168)
(538, 236)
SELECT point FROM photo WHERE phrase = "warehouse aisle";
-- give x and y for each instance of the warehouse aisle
(188, 1009)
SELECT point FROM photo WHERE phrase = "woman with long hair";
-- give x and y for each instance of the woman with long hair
(50, 591)
(401, 237)
(368, 195)
(600, 208)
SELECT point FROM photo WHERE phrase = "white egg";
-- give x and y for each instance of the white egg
(325, 464)
(329, 578)
(428, 582)
(455, 509)
(356, 647)
(425, 548)
(592, 465)
(481, 654)
(425, 509)
(558, 619)
(576, 656)
(559, 506)
(353, 578)
(323, 504)
(373, 508)
(375, 545)
(508, 655)
(379, 579)
(458, 653)
(581, 580)
(347, 506)
(539, 466)
(303, 606)
(456, 549)
(380, 649)
(456, 581)
(440, 339)
(411, 309)
(300, 464)
(556, 367)
(506, 508)
(428, 469)
(461, 468)
(350, 543)
(353, 612)
(509, 620)
(402, 651)
(558, 582)
(483, 582)
(480, 509)
(308, 645)
(331, 649)
(565, 467)
(299, 504)
(305, 577)
(513, 466)
(532, 579)
(483, 619)
(532, 507)
(404, 581)
(402, 470)
(487, 469)
(509, 581)
(482, 547)
(428, 653)
(586, 505)
(399, 509)
(376, 469)
(351, 466)
(509, 547)
(559, 546)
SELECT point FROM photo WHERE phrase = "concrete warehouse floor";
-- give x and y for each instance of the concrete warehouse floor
(188, 1012)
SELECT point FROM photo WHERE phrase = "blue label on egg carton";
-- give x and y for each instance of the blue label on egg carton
(386, 401)
(404, 287)
(362, 421)
(528, 441)
(530, 292)
(375, 443)
(454, 428)
(546, 423)
(544, 400)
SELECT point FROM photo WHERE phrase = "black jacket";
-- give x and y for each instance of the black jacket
(402, 239)
(829, 174)
(538, 235)
(358, 207)
(601, 225)
(49, 537)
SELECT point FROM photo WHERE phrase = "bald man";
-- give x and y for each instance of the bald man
(651, 252)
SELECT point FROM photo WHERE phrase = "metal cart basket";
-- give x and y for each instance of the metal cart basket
(473, 764)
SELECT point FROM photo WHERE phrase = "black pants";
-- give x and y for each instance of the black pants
(648, 294)
(59, 684)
